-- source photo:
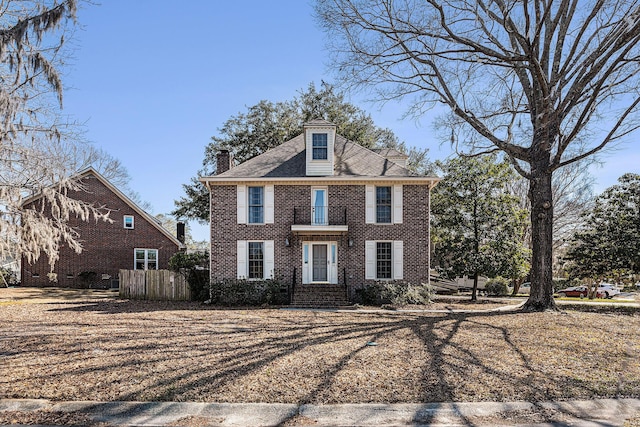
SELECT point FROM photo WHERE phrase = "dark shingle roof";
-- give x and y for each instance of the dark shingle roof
(288, 160)
(389, 152)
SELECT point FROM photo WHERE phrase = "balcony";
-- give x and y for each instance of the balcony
(319, 220)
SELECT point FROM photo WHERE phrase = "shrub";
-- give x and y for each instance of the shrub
(9, 277)
(242, 292)
(395, 293)
(194, 267)
(87, 278)
(497, 287)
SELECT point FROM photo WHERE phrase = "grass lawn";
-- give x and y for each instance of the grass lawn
(105, 349)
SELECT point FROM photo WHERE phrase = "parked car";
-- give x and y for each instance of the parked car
(579, 291)
(608, 290)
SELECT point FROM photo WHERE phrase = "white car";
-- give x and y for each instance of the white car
(608, 290)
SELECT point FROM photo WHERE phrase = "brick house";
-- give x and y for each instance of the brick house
(321, 213)
(134, 240)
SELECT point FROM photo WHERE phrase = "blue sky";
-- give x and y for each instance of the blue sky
(154, 80)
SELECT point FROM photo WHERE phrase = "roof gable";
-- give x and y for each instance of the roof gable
(146, 216)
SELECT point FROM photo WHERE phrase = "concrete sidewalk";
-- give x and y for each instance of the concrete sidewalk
(587, 413)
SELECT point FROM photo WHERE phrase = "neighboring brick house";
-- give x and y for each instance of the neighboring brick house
(134, 240)
(322, 213)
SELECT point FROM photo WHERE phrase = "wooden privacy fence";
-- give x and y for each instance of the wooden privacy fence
(161, 285)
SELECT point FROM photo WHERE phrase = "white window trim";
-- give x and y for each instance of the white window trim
(397, 259)
(146, 258)
(325, 213)
(124, 222)
(307, 267)
(396, 204)
(326, 147)
(242, 200)
(242, 256)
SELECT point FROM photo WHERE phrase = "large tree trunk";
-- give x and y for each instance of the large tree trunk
(541, 296)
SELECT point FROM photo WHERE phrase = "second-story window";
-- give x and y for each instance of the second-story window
(383, 205)
(256, 205)
(319, 144)
(128, 222)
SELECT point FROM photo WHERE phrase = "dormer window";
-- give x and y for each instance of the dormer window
(320, 140)
(319, 146)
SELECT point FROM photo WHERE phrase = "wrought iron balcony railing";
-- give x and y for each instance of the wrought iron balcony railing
(320, 215)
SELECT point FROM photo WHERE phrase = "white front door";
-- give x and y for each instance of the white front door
(320, 262)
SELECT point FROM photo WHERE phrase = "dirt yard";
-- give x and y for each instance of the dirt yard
(69, 345)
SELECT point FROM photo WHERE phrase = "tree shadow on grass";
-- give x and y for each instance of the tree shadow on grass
(262, 355)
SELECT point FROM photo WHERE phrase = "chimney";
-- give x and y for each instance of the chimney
(223, 161)
(180, 231)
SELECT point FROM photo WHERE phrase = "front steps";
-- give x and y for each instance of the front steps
(320, 296)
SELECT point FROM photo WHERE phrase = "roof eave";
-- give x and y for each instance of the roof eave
(209, 181)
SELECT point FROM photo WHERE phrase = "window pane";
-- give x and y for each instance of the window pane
(152, 254)
(383, 205)
(140, 255)
(256, 260)
(319, 207)
(128, 221)
(256, 205)
(383, 260)
(319, 144)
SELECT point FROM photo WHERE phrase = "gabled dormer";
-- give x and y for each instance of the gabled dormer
(320, 136)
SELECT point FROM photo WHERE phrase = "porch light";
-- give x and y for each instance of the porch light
(350, 243)
(286, 242)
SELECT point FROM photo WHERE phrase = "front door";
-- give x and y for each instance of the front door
(320, 262)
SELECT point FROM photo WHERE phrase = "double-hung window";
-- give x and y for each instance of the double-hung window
(256, 205)
(384, 260)
(256, 260)
(319, 146)
(146, 259)
(383, 205)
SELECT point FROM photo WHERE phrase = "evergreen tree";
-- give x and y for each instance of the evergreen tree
(477, 224)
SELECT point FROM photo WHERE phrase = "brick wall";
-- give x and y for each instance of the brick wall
(225, 231)
(107, 247)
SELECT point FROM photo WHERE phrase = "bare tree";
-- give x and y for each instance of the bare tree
(39, 149)
(572, 190)
(548, 83)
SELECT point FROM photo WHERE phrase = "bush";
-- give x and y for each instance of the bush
(194, 268)
(87, 278)
(497, 287)
(395, 293)
(9, 276)
(241, 292)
